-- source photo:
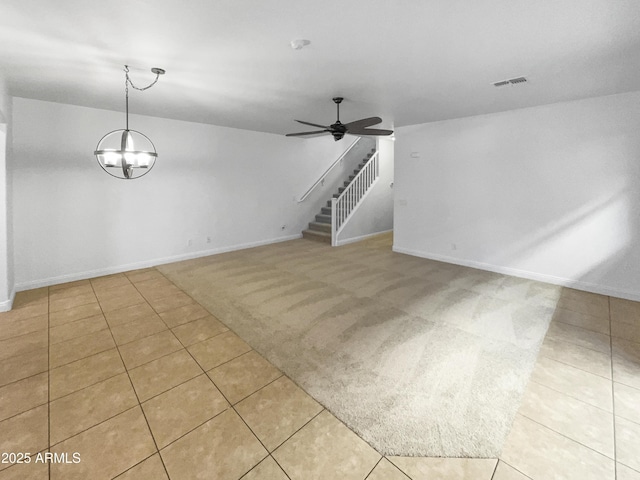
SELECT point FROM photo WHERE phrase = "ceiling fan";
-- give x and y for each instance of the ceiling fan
(338, 129)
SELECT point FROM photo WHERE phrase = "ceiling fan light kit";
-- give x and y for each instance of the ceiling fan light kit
(339, 129)
(127, 153)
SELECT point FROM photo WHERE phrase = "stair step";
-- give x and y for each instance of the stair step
(322, 218)
(322, 227)
(318, 236)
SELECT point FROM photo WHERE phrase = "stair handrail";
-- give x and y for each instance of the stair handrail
(344, 206)
(321, 179)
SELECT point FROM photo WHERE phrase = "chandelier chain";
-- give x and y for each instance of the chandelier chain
(129, 82)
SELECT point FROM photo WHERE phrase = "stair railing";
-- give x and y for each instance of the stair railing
(343, 207)
(326, 172)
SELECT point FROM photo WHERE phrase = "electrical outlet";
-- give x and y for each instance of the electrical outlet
(189, 242)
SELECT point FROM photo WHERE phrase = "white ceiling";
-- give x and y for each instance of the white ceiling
(229, 62)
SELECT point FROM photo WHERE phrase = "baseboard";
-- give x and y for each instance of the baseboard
(8, 304)
(72, 277)
(361, 237)
(540, 277)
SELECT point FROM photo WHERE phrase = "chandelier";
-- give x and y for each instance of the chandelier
(127, 153)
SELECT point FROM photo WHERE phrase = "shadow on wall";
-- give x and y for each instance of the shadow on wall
(587, 262)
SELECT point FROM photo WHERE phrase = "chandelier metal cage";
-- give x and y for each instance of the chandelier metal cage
(126, 153)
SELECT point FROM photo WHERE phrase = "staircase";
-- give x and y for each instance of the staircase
(320, 229)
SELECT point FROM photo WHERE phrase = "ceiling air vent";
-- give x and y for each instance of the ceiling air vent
(510, 81)
(515, 81)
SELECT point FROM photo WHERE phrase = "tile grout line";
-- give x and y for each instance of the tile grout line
(74, 306)
(284, 441)
(134, 390)
(80, 336)
(586, 330)
(88, 386)
(568, 437)
(194, 428)
(95, 425)
(77, 320)
(374, 467)
(279, 466)
(397, 466)
(110, 347)
(558, 339)
(399, 469)
(495, 469)
(573, 366)
(175, 386)
(571, 396)
(27, 333)
(613, 400)
(24, 378)
(633, 469)
(134, 466)
(25, 411)
(258, 464)
(521, 473)
(171, 353)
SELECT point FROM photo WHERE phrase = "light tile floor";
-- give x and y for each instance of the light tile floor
(132, 374)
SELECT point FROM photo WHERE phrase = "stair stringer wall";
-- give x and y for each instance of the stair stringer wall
(375, 213)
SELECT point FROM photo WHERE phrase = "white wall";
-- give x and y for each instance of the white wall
(72, 220)
(551, 193)
(375, 213)
(6, 252)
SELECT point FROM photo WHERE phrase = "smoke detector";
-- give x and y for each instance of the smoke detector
(299, 43)
(510, 81)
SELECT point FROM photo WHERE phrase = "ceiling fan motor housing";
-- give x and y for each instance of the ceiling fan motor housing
(338, 129)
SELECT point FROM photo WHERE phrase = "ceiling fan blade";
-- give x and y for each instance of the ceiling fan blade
(312, 124)
(365, 122)
(316, 132)
(370, 131)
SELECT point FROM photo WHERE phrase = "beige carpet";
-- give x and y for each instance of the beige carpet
(418, 357)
